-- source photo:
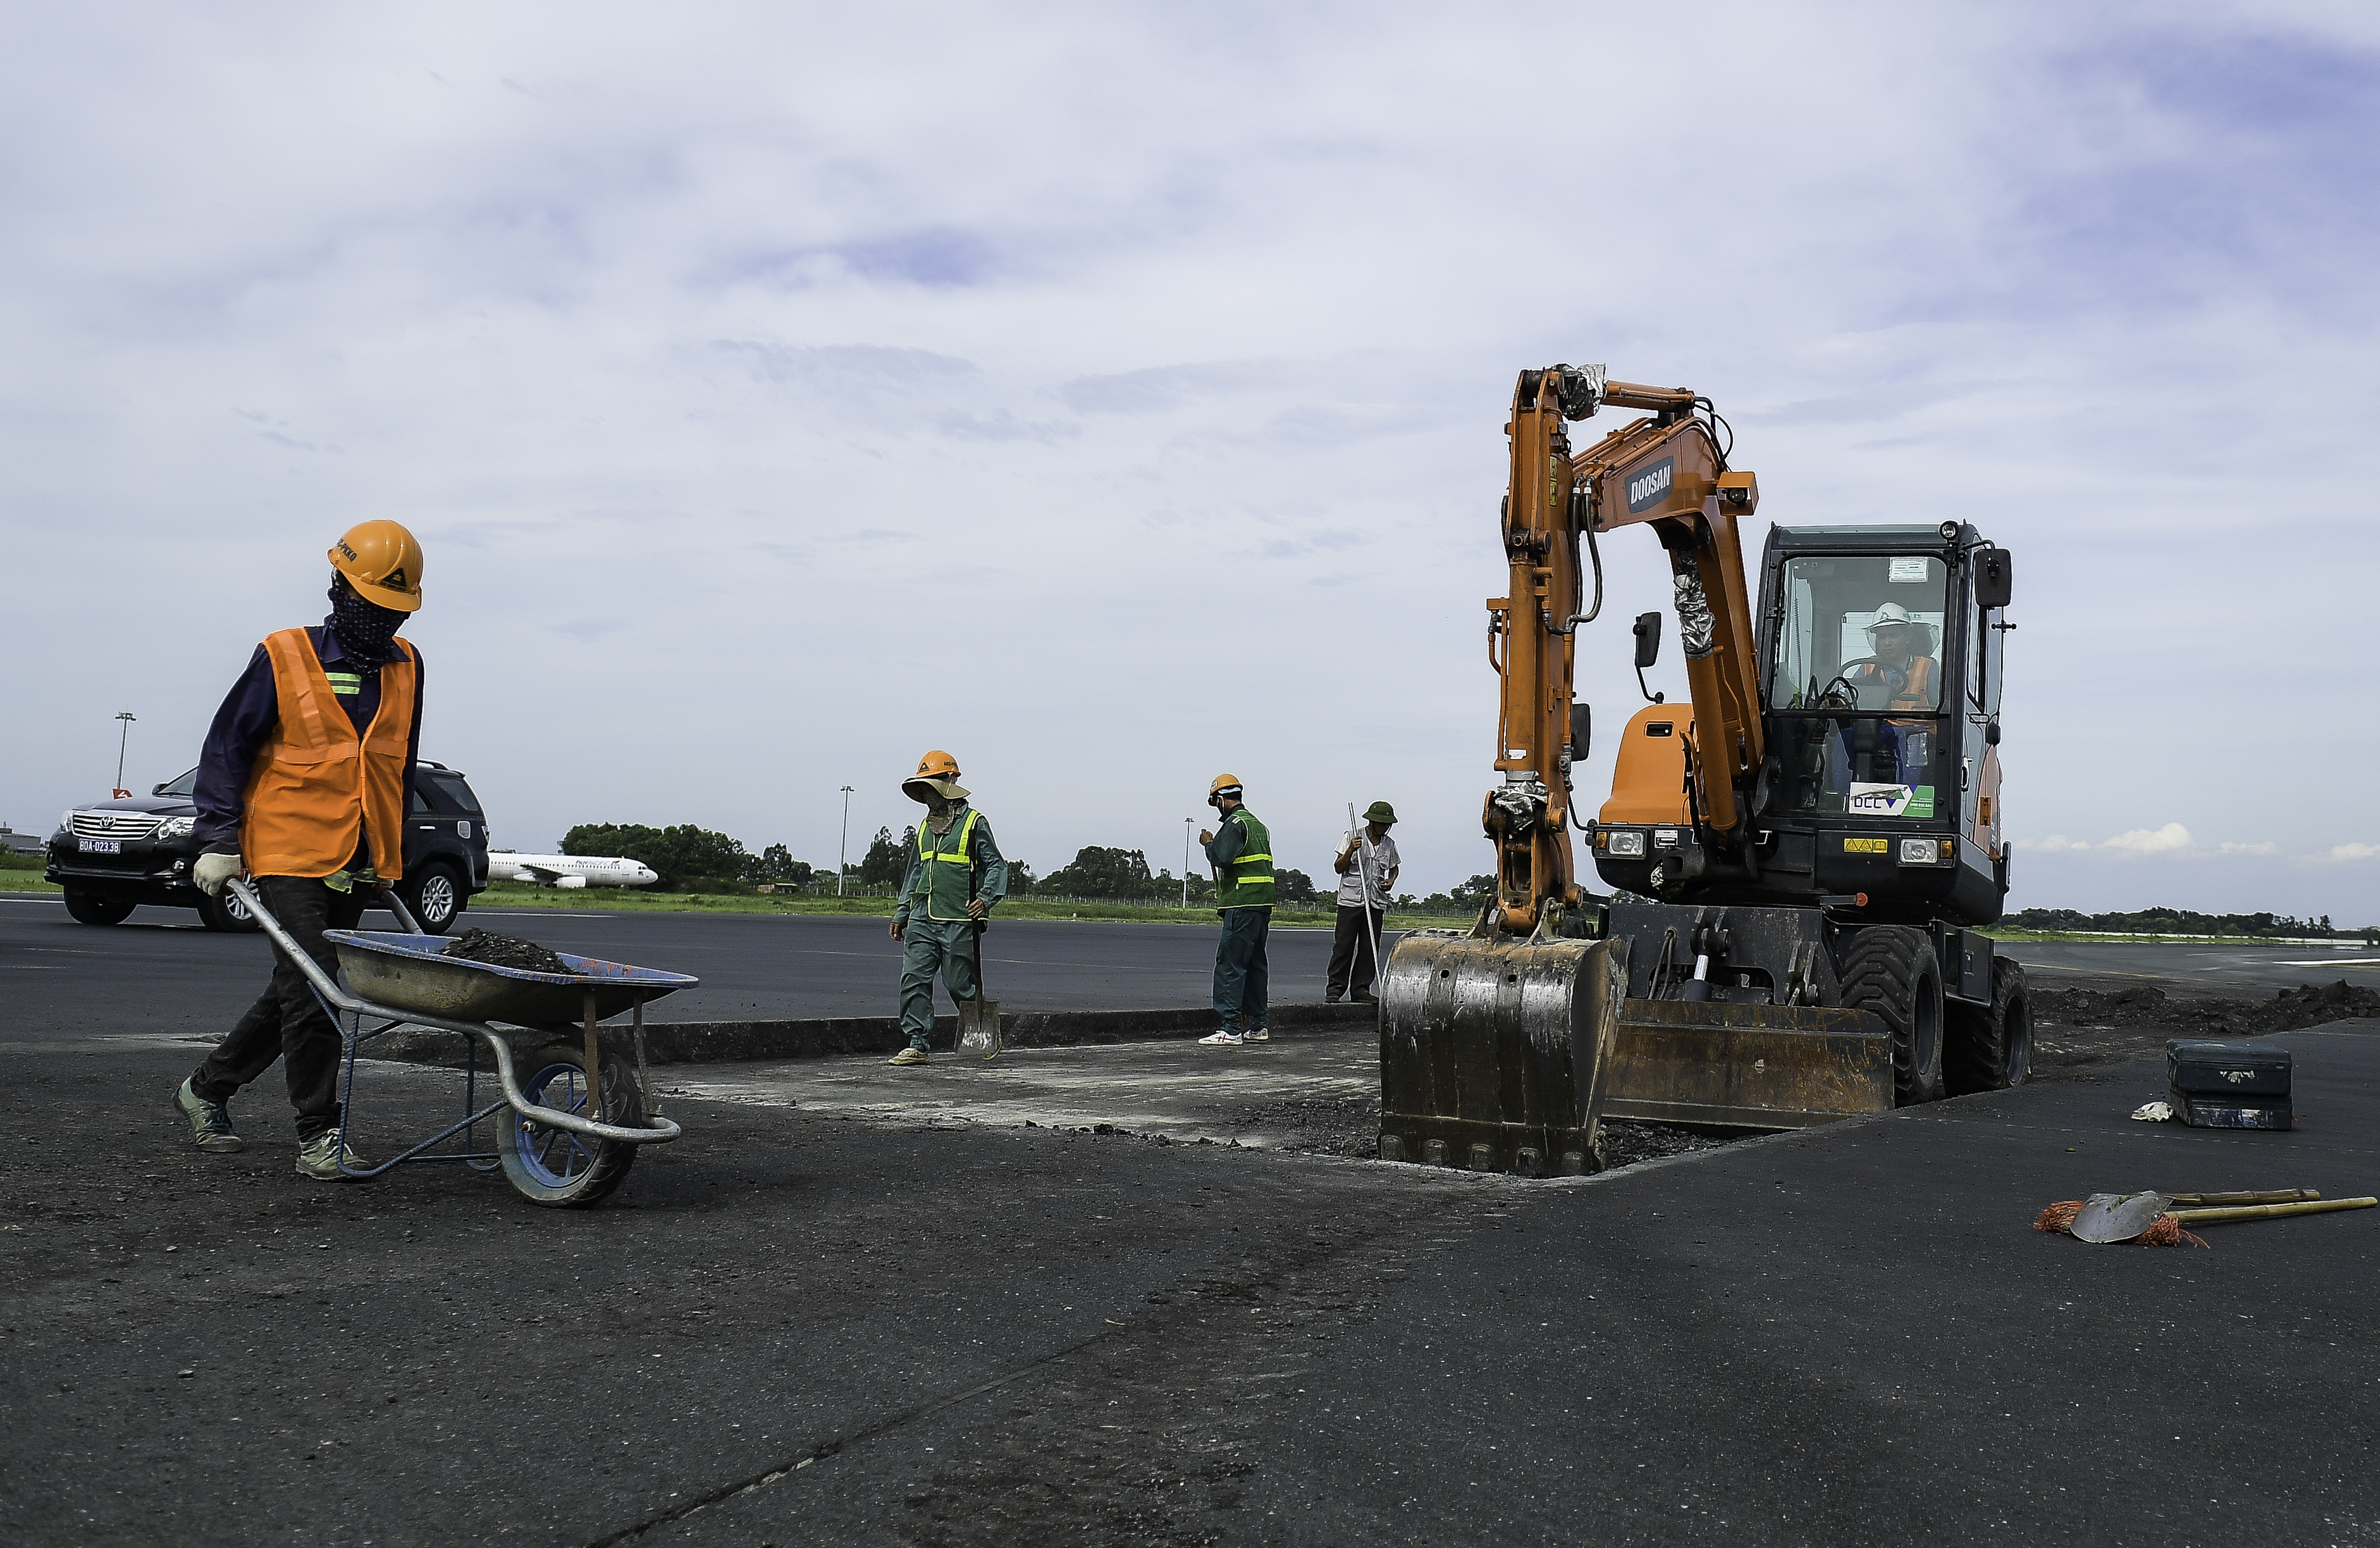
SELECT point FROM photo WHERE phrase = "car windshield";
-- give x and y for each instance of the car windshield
(1860, 632)
(186, 784)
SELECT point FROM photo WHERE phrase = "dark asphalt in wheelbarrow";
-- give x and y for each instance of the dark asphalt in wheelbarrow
(802, 1327)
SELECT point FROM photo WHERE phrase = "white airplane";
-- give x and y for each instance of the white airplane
(568, 872)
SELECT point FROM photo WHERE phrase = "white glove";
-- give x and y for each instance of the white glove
(213, 871)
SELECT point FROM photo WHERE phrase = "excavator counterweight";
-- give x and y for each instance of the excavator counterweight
(1801, 853)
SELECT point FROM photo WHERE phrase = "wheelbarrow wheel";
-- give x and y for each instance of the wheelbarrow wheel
(553, 1166)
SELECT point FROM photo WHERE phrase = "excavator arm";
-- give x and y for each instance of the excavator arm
(1671, 471)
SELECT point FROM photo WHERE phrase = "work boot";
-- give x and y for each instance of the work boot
(1332, 999)
(908, 1057)
(319, 1158)
(1225, 1039)
(211, 1127)
(1258, 1035)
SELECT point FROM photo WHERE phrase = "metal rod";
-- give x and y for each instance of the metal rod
(1363, 861)
(644, 1076)
(594, 1070)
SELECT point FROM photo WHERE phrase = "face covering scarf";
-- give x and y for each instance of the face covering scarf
(367, 631)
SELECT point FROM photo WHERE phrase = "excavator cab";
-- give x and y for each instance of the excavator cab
(1800, 853)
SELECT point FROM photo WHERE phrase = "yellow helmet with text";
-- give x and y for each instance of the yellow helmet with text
(383, 562)
(1225, 784)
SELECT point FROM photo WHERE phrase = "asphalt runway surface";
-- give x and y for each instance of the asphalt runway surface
(851, 1306)
(753, 967)
(2180, 967)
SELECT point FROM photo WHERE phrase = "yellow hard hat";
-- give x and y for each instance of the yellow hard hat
(938, 774)
(1222, 782)
(383, 562)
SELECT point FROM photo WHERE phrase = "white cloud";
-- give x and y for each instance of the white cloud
(2170, 839)
(2055, 843)
(2249, 848)
(2355, 851)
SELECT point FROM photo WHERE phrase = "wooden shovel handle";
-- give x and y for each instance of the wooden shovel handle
(2271, 1195)
(2268, 1212)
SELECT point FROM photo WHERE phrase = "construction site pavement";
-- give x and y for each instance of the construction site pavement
(858, 1326)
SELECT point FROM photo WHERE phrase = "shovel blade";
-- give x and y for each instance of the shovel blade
(980, 1028)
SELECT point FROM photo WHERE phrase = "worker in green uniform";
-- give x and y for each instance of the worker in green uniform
(955, 876)
(1240, 852)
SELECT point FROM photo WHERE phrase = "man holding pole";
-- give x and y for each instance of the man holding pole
(1367, 863)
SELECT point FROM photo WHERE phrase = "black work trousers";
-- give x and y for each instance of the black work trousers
(1354, 951)
(287, 1022)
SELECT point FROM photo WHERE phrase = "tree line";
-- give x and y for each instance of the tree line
(2177, 922)
(688, 859)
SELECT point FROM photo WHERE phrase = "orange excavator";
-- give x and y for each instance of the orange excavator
(1800, 855)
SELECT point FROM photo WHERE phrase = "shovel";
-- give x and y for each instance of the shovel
(979, 1018)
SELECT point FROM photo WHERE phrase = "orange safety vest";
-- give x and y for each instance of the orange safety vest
(1917, 692)
(316, 782)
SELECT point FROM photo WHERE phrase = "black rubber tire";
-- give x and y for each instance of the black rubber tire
(1890, 970)
(553, 1166)
(1991, 1047)
(88, 908)
(436, 895)
(226, 914)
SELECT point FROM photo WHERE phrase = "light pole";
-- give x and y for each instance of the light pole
(842, 859)
(122, 742)
(1187, 822)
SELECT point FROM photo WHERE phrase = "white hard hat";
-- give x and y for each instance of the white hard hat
(1889, 613)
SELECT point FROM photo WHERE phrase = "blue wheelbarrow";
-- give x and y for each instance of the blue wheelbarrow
(567, 1133)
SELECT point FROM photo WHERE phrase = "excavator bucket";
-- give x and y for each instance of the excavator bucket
(1747, 1065)
(1492, 1052)
(1505, 1056)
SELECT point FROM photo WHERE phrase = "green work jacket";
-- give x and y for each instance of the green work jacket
(1241, 853)
(947, 869)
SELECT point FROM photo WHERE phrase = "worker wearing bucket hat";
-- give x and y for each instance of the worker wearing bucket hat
(1367, 864)
(955, 876)
(1240, 850)
(304, 783)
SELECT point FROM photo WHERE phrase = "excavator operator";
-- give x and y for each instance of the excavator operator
(1898, 663)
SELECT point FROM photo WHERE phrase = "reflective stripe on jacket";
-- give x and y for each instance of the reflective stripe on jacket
(318, 791)
(945, 877)
(1246, 879)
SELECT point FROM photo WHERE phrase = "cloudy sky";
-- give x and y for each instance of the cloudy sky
(1113, 393)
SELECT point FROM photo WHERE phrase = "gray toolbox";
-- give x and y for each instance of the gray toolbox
(2230, 1084)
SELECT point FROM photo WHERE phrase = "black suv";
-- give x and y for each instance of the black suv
(114, 856)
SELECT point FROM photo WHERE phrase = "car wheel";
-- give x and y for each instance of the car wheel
(436, 898)
(91, 908)
(227, 914)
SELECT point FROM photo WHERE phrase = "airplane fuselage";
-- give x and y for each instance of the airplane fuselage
(569, 871)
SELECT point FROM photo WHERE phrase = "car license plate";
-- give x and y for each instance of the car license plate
(100, 846)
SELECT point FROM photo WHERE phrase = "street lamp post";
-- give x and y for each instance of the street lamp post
(1187, 822)
(842, 859)
(122, 742)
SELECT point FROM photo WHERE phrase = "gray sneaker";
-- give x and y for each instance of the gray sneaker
(319, 1158)
(1258, 1035)
(210, 1121)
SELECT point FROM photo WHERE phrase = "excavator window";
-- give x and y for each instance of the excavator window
(1857, 671)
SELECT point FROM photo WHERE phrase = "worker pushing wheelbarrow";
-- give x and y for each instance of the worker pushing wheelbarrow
(303, 786)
